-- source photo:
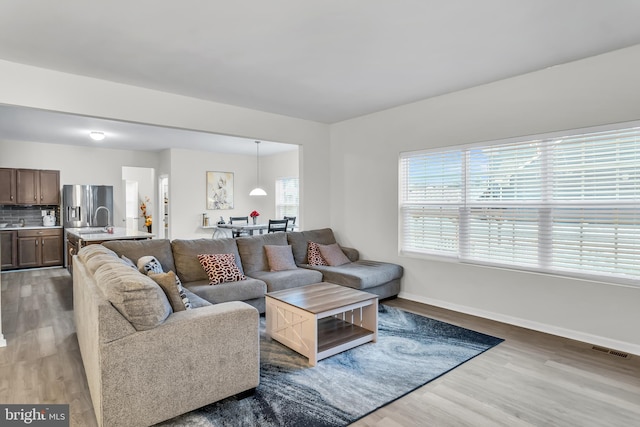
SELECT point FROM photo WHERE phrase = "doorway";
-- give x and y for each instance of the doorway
(163, 227)
(140, 210)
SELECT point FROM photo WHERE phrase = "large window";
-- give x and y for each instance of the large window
(287, 199)
(567, 204)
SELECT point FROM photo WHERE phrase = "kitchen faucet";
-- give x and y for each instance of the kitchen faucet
(95, 215)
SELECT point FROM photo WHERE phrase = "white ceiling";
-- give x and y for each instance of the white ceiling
(27, 124)
(326, 61)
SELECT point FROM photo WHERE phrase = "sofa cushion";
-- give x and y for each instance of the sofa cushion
(360, 274)
(173, 289)
(333, 255)
(280, 258)
(185, 254)
(244, 290)
(277, 280)
(135, 249)
(137, 297)
(251, 250)
(299, 240)
(314, 257)
(128, 262)
(220, 268)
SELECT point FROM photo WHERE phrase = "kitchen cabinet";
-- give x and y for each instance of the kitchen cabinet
(40, 248)
(7, 186)
(9, 249)
(49, 187)
(37, 187)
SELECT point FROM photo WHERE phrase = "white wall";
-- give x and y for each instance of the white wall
(364, 192)
(47, 89)
(187, 187)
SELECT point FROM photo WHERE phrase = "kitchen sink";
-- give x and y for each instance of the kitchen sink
(92, 230)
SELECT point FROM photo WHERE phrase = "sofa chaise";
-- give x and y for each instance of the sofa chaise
(146, 363)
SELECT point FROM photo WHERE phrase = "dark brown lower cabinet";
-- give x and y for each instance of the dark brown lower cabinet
(9, 249)
(40, 248)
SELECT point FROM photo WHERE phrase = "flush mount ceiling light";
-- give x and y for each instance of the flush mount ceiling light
(96, 136)
(258, 191)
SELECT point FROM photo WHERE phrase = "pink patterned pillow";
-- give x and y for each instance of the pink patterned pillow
(221, 268)
(313, 254)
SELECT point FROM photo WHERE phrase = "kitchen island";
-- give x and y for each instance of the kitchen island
(77, 238)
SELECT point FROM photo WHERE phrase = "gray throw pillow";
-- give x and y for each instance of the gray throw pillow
(279, 257)
(333, 254)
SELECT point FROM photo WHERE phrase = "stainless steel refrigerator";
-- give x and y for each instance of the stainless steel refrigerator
(87, 205)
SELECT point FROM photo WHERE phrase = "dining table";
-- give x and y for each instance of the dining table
(249, 228)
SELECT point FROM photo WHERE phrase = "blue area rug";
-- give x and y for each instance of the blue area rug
(411, 351)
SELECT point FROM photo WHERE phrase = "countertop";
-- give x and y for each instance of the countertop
(97, 234)
(29, 227)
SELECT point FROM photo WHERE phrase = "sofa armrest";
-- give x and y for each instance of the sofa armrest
(196, 357)
(351, 253)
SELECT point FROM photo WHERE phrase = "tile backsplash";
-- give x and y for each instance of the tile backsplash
(32, 215)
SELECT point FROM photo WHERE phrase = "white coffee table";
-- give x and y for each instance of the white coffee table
(322, 319)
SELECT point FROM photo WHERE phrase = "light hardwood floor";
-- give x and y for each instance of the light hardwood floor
(531, 379)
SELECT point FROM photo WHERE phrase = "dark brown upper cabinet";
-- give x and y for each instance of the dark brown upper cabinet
(37, 187)
(7, 186)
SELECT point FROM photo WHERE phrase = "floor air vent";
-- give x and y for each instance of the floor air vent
(610, 351)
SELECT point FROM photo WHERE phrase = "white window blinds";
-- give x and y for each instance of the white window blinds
(566, 204)
(287, 198)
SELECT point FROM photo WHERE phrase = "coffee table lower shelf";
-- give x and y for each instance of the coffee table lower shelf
(323, 333)
(334, 334)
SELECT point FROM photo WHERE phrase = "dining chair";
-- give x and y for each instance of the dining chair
(237, 220)
(277, 225)
(292, 222)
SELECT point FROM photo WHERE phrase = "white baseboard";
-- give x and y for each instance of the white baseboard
(524, 323)
(3, 342)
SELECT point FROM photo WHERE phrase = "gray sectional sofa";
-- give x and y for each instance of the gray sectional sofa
(136, 348)
(180, 256)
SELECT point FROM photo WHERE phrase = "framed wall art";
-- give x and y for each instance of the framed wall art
(219, 190)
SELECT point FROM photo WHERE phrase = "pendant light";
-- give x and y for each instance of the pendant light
(258, 191)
